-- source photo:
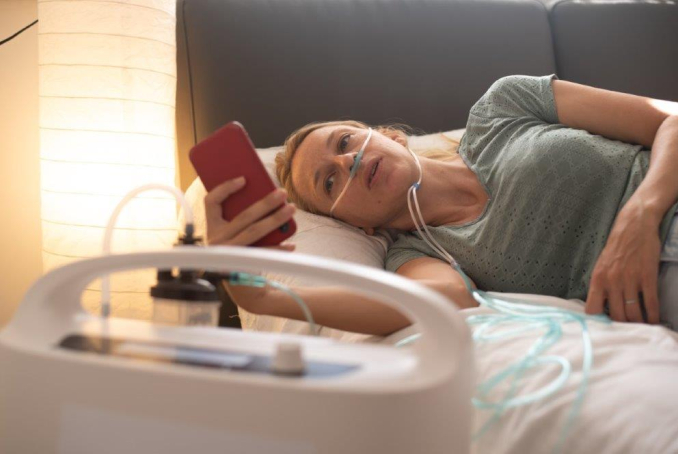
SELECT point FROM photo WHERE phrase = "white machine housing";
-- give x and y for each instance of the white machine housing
(391, 400)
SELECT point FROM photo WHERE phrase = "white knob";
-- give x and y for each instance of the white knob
(288, 359)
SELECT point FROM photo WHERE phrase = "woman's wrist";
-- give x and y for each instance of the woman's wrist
(648, 209)
(272, 302)
(654, 213)
(247, 297)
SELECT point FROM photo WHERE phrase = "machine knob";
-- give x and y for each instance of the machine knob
(288, 359)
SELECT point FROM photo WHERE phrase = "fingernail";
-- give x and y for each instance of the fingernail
(240, 180)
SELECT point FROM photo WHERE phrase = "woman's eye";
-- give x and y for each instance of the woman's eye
(343, 143)
(329, 183)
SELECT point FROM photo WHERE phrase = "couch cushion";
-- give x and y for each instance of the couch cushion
(277, 65)
(627, 46)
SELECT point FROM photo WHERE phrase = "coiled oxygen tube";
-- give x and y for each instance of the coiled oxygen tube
(511, 311)
(507, 311)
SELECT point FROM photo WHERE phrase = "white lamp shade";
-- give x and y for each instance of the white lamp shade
(107, 97)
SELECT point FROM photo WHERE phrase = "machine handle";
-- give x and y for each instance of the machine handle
(444, 333)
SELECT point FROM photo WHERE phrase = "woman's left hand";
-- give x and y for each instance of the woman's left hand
(628, 266)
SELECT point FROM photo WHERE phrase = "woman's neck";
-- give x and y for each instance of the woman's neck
(450, 194)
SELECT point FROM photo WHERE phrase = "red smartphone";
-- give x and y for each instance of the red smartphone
(229, 153)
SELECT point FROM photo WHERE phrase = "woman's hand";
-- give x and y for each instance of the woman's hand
(245, 229)
(248, 226)
(627, 266)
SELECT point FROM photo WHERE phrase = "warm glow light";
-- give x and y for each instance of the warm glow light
(107, 96)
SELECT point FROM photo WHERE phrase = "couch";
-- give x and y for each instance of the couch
(276, 65)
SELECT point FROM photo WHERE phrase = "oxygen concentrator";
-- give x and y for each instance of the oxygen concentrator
(72, 382)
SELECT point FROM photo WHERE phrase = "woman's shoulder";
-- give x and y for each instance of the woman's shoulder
(518, 96)
(508, 111)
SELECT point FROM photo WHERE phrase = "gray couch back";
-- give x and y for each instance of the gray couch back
(629, 46)
(277, 65)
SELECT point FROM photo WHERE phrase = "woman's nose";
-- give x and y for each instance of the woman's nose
(347, 161)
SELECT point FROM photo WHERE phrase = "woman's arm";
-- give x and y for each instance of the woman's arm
(340, 308)
(615, 115)
(440, 276)
(649, 122)
(334, 307)
(659, 189)
(628, 264)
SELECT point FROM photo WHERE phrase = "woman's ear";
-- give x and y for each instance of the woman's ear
(397, 136)
(368, 230)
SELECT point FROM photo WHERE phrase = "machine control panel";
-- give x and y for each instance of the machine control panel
(287, 361)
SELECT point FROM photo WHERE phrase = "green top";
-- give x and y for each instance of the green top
(554, 195)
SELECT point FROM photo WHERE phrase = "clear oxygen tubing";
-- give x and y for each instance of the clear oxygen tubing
(234, 278)
(253, 280)
(354, 169)
(492, 327)
(188, 227)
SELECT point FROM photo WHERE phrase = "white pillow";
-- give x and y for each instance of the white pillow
(318, 235)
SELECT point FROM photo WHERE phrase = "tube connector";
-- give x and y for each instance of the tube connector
(252, 280)
(189, 238)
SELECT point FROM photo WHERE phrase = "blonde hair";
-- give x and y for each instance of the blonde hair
(283, 160)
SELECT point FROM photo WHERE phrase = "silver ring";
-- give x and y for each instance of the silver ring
(631, 301)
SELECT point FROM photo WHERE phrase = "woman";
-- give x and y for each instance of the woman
(551, 192)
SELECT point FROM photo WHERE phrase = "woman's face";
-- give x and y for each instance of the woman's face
(322, 165)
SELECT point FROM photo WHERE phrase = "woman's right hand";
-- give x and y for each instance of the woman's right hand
(248, 226)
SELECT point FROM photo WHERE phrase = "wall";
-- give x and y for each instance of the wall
(20, 235)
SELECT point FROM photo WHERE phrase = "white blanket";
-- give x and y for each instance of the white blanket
(630, 406)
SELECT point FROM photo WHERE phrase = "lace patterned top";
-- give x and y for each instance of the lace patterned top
(554, 195)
